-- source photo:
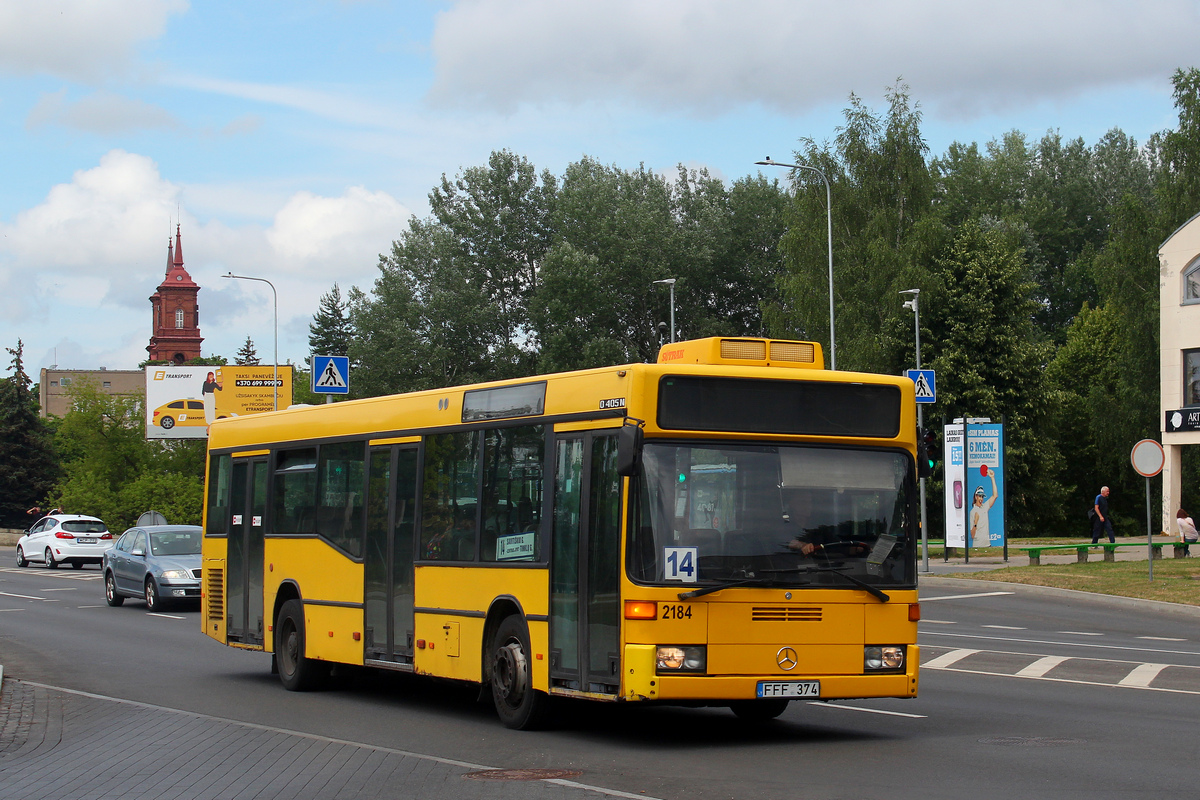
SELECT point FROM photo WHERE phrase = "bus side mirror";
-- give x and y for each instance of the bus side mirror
(629, 450)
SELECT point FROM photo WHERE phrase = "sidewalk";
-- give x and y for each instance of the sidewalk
(58, 744)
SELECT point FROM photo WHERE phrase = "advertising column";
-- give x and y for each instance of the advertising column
(985, 485)
(955, 475)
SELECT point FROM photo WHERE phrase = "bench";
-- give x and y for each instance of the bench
(1179, 547)
(1081, 550)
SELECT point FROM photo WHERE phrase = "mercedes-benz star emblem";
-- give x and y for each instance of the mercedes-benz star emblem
(786, 658)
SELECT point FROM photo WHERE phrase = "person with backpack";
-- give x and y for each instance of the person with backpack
(1101, 522)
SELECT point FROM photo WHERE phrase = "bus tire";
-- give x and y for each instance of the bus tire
(518, 704)
(297, 672)
(758, 710)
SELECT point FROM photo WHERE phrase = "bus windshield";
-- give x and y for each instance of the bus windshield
(773, 515)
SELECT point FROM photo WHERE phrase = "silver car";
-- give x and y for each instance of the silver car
(156, 563)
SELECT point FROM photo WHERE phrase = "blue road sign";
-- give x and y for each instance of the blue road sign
(926, 382)
(331, 375)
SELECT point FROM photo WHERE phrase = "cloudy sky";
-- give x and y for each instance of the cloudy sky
(292, 141)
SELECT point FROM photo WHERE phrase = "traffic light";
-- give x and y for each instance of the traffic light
(929, 452)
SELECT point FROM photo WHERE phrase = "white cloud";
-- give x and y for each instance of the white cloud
(710, 56)
(102, 113)
(89, 255)
(317, 232)
(81, 40)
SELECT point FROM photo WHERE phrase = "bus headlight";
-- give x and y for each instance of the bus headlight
(670, 658)
(883, 657)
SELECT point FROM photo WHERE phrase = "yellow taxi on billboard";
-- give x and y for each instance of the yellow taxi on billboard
(179, 412)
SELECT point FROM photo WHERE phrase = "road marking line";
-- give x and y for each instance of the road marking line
(964, 596)
(1040, 667)
(940, 621)
(1142, 675)
(868, 710)
(1162, 639)
(946, 659)
(165, 616)
(1080, 633)
(12, 609)
(91, 606)
(23, 596)
(1005, 627)
(1061, 644)
(1068, 680)
(317, 738)
(62, 589)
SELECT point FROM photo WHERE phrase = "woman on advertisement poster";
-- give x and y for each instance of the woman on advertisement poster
(208, 392)
(980, 533)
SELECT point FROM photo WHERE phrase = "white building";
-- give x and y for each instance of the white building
(1179, 358)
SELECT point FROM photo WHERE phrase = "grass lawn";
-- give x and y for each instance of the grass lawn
(1175, 580)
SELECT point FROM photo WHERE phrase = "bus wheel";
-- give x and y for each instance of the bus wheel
(297, 672)
(758, 710)
(518, 704)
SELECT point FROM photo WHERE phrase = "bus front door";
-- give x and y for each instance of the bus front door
(244, 583)
(585, 565)
(388, 566)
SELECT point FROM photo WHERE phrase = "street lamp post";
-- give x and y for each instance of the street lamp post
(913, 304)
(275, 296)
(829, 235)
(670, 282)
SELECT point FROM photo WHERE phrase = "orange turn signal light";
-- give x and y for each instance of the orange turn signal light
(641, 609)
(914, 612)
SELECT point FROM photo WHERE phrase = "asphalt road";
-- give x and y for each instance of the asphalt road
(1025, 694)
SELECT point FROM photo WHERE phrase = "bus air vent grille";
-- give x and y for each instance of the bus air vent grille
(793, 351)
(215, 593)
(744, 349)
(785, 614)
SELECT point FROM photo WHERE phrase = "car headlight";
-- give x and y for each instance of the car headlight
(176, 574)
(672, 658)
(883, 657)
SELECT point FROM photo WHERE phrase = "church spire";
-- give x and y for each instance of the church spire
(170, 256)
(178, 248)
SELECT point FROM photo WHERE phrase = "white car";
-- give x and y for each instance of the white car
(72, 539)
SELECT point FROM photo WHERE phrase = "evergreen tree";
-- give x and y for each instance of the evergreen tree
(331, 330)
(246, 355)
(28, 465)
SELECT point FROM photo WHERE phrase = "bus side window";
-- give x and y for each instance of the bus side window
(448, 513)
(512, 493)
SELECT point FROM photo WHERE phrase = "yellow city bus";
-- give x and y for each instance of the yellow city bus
(733, 526)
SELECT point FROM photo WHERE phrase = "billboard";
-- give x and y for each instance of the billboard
(985, 485)
(181, 402)
(956, 477)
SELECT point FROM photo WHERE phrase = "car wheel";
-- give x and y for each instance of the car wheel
(297, 672)
(518, 704)
(76, 565)
(110, 591)
(50, 562)
(153, 601)
(759, 710)
(167, 423)
(22, 561)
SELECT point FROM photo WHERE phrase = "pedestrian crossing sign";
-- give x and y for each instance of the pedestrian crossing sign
(331, 375)
(926, 384)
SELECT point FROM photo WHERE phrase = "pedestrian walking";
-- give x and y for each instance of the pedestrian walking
(1101, 522)
(1187, 530)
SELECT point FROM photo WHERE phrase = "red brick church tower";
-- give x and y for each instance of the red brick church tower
(176, 312)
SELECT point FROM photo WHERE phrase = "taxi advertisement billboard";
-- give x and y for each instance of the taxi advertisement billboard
(181, 402)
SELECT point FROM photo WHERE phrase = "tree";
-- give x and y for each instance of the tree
(28, 463)
(246, 355)
(330, 332)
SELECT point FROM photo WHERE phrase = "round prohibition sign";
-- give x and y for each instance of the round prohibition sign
(1147, 458)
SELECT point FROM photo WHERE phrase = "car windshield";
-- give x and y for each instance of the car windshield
(773, 515)
(175, 543)
(84, 526)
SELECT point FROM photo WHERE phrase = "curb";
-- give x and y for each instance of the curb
(1169, 609)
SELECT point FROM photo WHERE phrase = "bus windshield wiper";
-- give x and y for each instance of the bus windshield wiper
(710, 589)
(872, 590)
